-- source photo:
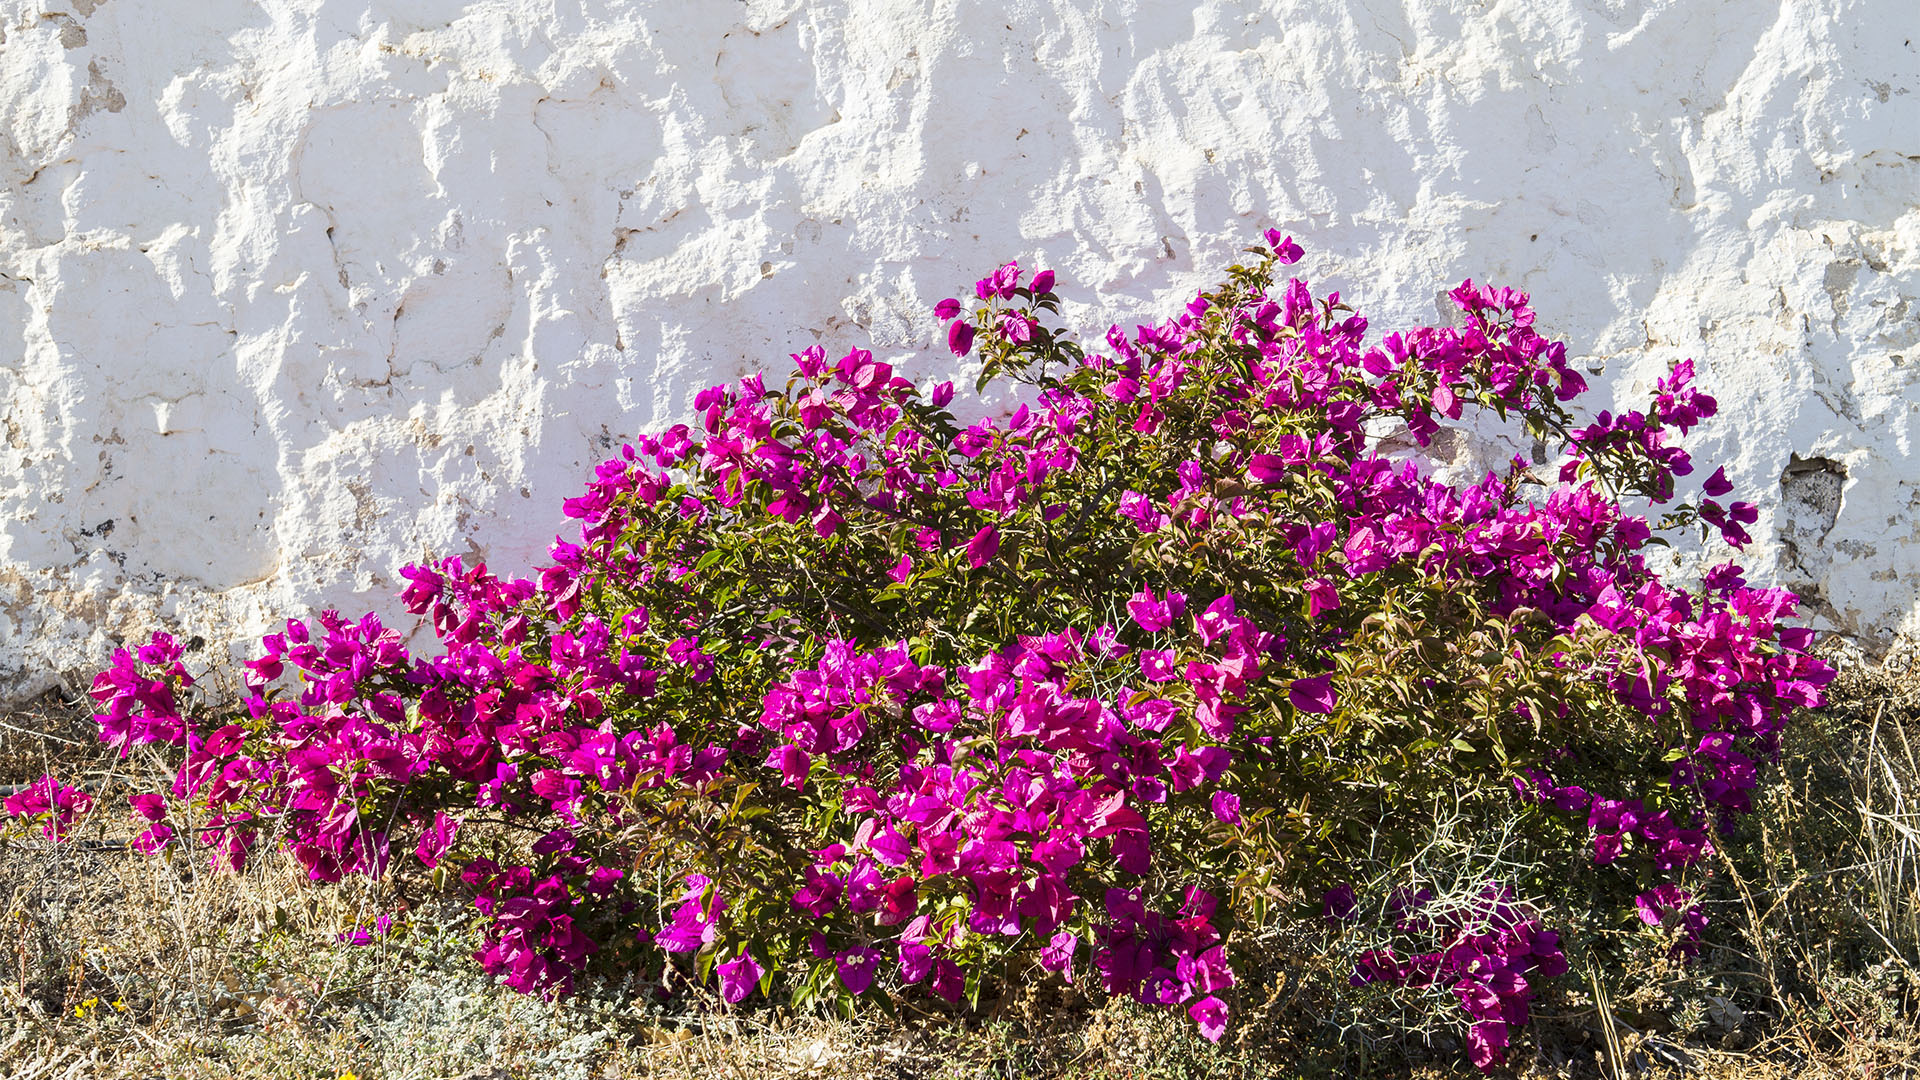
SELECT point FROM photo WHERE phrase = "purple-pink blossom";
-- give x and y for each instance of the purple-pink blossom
(1210, 1015)
(738, 977)
(983, 547)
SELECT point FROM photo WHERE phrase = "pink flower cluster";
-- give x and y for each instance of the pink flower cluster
(1000, 833)
(885, 700)
(1485, 956)
(49, 804)
(533, 944)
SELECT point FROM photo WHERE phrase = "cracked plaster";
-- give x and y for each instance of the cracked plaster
(294, 292)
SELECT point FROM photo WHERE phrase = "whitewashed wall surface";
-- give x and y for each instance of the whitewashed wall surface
(293, 292)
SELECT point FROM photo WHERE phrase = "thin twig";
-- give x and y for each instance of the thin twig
(40, 734)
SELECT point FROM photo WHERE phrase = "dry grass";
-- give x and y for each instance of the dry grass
(1828, 886)
(114, 965)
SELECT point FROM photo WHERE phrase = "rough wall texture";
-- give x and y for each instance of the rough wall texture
(295, 291)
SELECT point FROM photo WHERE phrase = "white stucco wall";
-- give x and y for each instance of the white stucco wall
(295, 291)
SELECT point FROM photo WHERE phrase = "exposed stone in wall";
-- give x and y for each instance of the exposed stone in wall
(293, 292)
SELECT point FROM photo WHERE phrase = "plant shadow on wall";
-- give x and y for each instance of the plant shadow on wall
(1168, 694)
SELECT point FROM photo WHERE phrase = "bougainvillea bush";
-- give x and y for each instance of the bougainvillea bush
(837, 697)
